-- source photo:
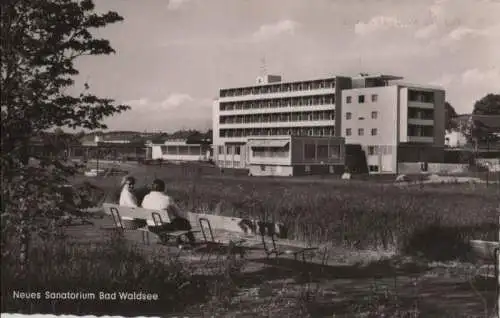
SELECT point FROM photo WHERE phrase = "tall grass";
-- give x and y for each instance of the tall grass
(362, 215)
(353, 214)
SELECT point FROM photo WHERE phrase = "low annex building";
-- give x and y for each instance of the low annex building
(295, 155)
(177, 150)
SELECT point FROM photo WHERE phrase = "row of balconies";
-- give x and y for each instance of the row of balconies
(420, 131)
(285, 124)
(278, 110)
(420, 96)
(278, 88)
(285, 117)
(418, 113)
(285, 131)
(278, 102)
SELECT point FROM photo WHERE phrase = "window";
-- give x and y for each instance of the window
(221, 150)
(348, 116)
(374, 98)
(322, 151)
(361, 99)
(361, 132)
(373, 168)
(237, 150)
(374, 114)
(348, 99)
(334, 151)
(307, 168)
(348, 132)
(374, 131)
(371, 150)
(309, 151)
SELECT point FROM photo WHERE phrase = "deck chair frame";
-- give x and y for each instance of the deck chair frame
(166, 235)
(234, 247)
(278, 249)
(121, 228)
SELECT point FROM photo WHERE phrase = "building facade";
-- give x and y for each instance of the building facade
(177, 150)
(394, 123)
(295, 155)
(384, 117)
(455, 139)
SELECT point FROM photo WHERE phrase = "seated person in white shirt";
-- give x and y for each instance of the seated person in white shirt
(158, 200)
(127, 198)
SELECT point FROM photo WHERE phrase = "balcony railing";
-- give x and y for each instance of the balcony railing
(278, 88)
(424, 105)
(421, 121)
(424, 139)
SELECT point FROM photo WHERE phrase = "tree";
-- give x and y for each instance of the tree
(450, 114)
(483, 130)
(488, 105)
(41, 40)
(209, 135)
(79, 135)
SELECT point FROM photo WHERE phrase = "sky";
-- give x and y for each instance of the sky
(172, 56)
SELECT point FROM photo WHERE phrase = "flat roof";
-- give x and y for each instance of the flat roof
(279, 83)
(384, 77)
(423, 86)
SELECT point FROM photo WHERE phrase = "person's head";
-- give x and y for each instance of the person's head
(158, 185)
(129, 182)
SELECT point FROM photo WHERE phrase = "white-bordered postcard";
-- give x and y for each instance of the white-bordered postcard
(250, 158)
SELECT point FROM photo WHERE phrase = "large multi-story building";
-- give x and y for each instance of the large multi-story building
(393, 122)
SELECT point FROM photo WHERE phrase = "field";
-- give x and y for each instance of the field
(398, 251)
(356, 213)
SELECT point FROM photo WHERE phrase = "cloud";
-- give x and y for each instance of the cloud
(426, 32)
(176, 4)
(444, 81)
(493, 30)
(176, 111)
(176, 100)
(462, 33)
(269, 31)
(378, 23)
(172, 101)
(437, 9)
(488, 77)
